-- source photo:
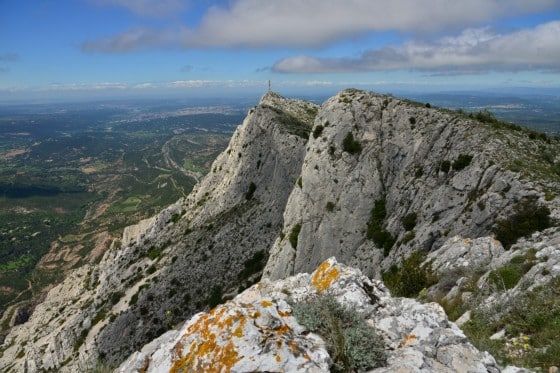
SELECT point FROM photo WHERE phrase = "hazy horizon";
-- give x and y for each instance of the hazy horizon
(91, 49)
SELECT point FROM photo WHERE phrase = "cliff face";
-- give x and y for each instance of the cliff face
(364, 177)
(449, 175)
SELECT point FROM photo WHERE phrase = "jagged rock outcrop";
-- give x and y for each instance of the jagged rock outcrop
(257, 331)
(300, 182)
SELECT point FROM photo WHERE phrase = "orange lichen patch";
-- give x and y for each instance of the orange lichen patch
(266, 303)
(238, 332)
(307, 357)
(278, 358)
(324, 276)
(211, 348)
(255, 315)
(283, 329)
(295, 348)
(409, 340)
(284, 313)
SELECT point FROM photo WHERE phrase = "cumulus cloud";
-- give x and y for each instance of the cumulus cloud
(141, 37)
(147, 8)
(474, 50)
(313, 23)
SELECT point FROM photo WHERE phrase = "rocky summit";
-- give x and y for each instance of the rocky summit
(440, 205)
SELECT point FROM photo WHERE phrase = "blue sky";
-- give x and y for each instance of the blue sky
(104, 48)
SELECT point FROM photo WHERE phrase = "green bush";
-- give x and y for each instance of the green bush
(351, 342)
(508, 276)
(409, 236)
(409, 221)
(294, 234)
(375, 231)
(253, 265)
(251, 191)
(411, 277)
(318, 131)
(462, 161)
(445, 166)
(535, 314)
(330, 206)
(485, 116)
(527, 217)
(215, 297)
(350, 145)
(115, 297)
(153, 253)
(412, 120)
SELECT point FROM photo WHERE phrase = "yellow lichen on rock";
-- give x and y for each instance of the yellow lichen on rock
(324, 276)
(209, 353)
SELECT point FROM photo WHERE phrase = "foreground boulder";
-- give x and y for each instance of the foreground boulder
(257, 331)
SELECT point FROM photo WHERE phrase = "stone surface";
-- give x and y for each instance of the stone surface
(256, 331)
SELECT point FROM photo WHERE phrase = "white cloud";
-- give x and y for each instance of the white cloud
(147, 8)
(313, 23)
(141, 37)
(474, 50)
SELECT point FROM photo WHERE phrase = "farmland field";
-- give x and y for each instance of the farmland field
(73, 176)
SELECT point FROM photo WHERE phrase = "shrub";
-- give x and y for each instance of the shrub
(527, 217)
(412, 120)
(411, 277)
(445, 166)
(330, 206)
(175, 218)
(409, 221)
(153, 253)
(251, 191)
(409, 236)
(375, 231)
(299, 182)
(535, 315)
(294, 234)
(352, 343)
(462, 161)
(215, 297)
(115, 297)
(318, 131)
(350, 145)
(253, 265)
(508, 276)
(485, 116)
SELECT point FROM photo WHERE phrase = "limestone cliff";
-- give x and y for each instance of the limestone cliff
(451, 175)
(366, 178)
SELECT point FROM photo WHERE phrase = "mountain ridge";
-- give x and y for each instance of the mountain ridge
(292, 182)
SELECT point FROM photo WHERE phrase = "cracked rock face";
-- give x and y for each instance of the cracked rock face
(256, 331)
